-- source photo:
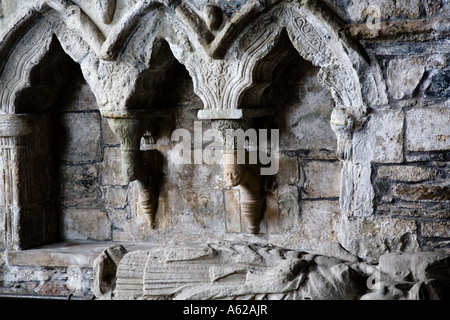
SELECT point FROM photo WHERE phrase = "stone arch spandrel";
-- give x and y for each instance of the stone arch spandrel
(153, 48)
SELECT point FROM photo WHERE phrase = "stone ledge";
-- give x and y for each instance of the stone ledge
(233, 114)
(64, 254)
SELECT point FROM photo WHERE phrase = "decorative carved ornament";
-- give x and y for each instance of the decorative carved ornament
(221, 55)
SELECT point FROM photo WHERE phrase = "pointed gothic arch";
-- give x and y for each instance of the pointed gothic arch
(221, 62)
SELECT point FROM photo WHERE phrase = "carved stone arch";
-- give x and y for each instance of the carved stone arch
(152, 51)
(15, 75)
(221, 83)
(27, 38)
(35, 49)
(316, 42)
(66, 10)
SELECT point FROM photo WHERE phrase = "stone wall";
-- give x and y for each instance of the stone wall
(400, 165)
(97, 203)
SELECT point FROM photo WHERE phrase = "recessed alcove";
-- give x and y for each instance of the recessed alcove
(309, 174)
(90, 102)
(92, 198)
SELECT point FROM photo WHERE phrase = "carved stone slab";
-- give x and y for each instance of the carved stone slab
(241, 270)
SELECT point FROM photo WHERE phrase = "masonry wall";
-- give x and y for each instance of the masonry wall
(406, 140)
(96, 203)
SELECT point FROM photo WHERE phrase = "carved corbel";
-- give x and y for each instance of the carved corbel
(239, 171)
(248, 178)
(343, 124)
(130, 127)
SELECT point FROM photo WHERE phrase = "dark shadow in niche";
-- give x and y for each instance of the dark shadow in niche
(40, 190)
(283, 81)
(47, 78)
(277, 81)
(77, 146)
(165, 89)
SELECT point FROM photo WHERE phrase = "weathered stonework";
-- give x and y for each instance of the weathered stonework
(92, 91)
(82, 224)
(423, 137)
(381, 143)
(255, 271)
(322, 179)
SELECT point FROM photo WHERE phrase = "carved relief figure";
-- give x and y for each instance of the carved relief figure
(241, 270)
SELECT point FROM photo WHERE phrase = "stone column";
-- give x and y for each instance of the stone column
(14, 129)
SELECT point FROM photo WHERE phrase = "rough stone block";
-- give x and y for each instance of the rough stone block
(421, 192)
(359, 193)
(288, 170)
(431, 6)
(409, 70)
(428, 129)
(406, 173)
(79, 186)
(112, 168)
(116, 197)
(81, 137)
(436, 229)
(317, 222)
(322, 179)
(382, 138)
(436, 61)
(357, 11)
(84, 224)
(129, 225)
(370, 237)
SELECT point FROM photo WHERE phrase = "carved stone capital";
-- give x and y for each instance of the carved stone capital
(130, 126)
(227, 129)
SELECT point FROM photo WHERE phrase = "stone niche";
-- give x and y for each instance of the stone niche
(106, 114)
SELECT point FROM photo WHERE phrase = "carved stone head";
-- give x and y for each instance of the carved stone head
(234, 174)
